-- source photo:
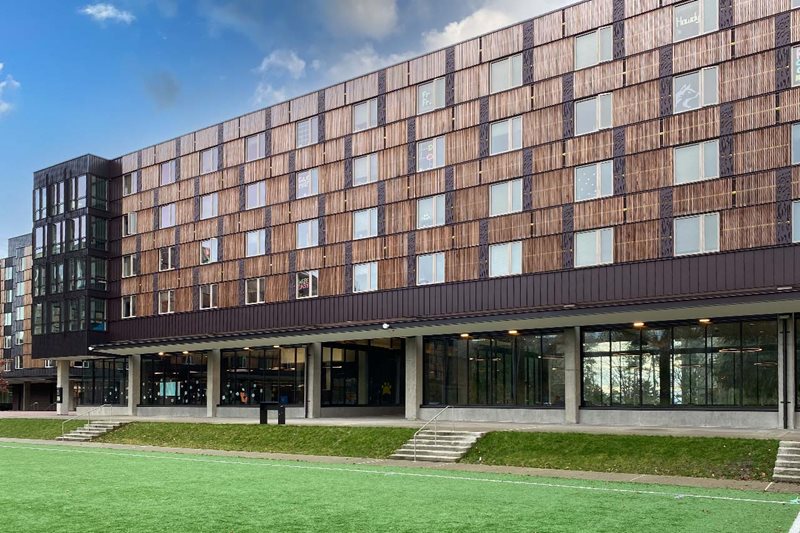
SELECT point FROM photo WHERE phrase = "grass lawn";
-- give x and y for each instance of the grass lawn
(639, 454)
(309, 440)
(34, 428)
(71, 489)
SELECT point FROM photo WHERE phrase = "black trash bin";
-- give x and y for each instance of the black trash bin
(266, 407)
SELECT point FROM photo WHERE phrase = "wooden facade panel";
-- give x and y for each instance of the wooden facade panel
(542, 126)
(747, 10)
(602, 78)
(509, 103)
(789, 105)
(755, 37)
(588, 148)
(702, 51)
(462, 264)
(253, 123)
(338, 122)
(542, 254)
(501, 167)
(401, 104)
(396, 77)
(471, 204)
(641, 67)
(427, 67)
(434, 239)
(471, 83)
(553, 188)
(636, 104)
(642, 137)
(754, 113)
(166, 151)
(548, 28)
(635, 7)
(206, 138)
(508, 228)
(547, 93)
(434, 123)
(691, 126)
(755, 189)
(702, 197)
(648, 31)
(553, 59)
(230, 130)
(599, 213)
(392, 273)
(586, 16)
(747, 227)
(762, 150)
(501, 43)
(748, 76)
(642, 206)
(648, 171)
(335, 96)
(547, 221)
(304, 106)
(468, 54)
(462, 146)
(636, 242)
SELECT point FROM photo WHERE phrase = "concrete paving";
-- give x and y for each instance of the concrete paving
(707, 483)
(391, 421)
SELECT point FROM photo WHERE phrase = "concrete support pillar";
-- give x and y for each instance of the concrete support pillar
(134, 383)
(62, 381)
(314, 380)
(214, 382)
(786, 372)
(413, 377)
(363, 379)
(572, 375)
(26, 396)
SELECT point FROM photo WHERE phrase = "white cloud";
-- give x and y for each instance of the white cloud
(362, 61)
(107, 12)
(266, 94)
(492, 15)
(362, 18)
(283, 59)
(9, 83)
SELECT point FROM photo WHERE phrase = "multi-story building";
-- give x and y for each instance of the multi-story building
(587, 217)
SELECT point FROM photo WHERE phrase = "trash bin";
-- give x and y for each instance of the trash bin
(281, 414)
(266, 407)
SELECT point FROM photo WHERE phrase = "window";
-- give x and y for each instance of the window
(594, 47)
(505, 198)
(255, 291)
(99, 193)
(307, 183)
(696, 162)
(130, 265)
(307, 284)
(57, 232)
(20, 288)
(167, 258)
(795, 143)
(20, 313)
(255, 195)
(594, 247)
(7, 342)
(8, 319)
(39, 279)
(307, 133)
(430, 268)
(506, 135)
(18, 362)
(365, 277)
(208, 160)
(505, 259)
(167, 216)
(77, 192)
(128, 224)
(97, 315)
(39, 240)
(98, 279)
(695, 90)
(208, 251)
(166, 302)
(365, 223)
(430, 154)
(129, 185)
(19, 338)
(255, 147)
(430, 211)
(209, 206)
(796, 220)
(430, 96)
(56, 277)
(168, 172)
(506, 74)
(307, 233)
(594, 181)
(8, 273)
(365, 115)
(40, 203)
(129, 306)
(208, 296)
(795, 59)
(694, 18)
(593, 114)
(697, 234)
(56, 206)
(365, 169)
(76, 315)
(256, 243)
(795, 3)
(76, 233)
(257, 375)
(9, 296)
(38, 319)
(77, 275)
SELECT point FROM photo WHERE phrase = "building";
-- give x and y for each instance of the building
(588, 217)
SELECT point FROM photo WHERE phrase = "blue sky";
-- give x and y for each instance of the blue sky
(111, 77)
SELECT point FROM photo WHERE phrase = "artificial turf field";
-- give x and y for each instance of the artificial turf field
(61, 488)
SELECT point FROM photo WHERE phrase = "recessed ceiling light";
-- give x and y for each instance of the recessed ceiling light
(513, 332)
(185, 352)
(705, 321)
(160, 353)
(246, 348)
(464, 335)
(276, 345)
(638, 324)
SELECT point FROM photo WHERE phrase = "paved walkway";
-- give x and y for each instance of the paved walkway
(706, 483)
(392, 421)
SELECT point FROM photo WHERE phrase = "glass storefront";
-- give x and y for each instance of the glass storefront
(263, 375)
(363, 373)
(494, 369)
(720, 364)
(104, 381)
(174, 379)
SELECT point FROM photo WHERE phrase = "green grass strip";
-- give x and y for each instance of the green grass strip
(747, 459)
(35, 428)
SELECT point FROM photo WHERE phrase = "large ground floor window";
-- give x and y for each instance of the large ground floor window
(524, 369)
(725, 364)
(366, 373)
(263, 375)
(172, 379)
(104, 381)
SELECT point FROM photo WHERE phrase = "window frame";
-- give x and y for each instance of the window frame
(313, 179)
(513, 143)
(436, 199)
(260, 147)
(212, 296)
(598, 113)
(313, 285)
(129, 223)
(130, 300)
(311, 228)
(439, 86)
(372, 276)
(214, 205)
(597, 35)
(213, 247)
(170, 293)
(509, 73)
(511, 268)
(700, 162)
(509, 184)
(170, 176)
(260, 188)
(437, 141)
(701, 228)
(701, 21)
(313, 134)
(702, 91)
(598, 247)
(372, 169)
(371, 107)
(372, 214)
(598, 180)
(130, 265)
(436, 256)
(214, 164)
(171, 210)
(261, 290)
(261, 234)
(171, 252)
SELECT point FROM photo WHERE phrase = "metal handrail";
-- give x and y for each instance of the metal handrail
(87, 414)
(433, 419)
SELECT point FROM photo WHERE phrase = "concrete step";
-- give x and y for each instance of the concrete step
(432, 451)
(449, 433)
(795, 444)
(790, 470)
(441, 446)
(76, 438)
(780, 463)
(433, 458)
(419, 446)
(445, 442)
(786, 478)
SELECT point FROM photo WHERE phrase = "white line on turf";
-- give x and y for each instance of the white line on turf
(795, 525)
(275, 464)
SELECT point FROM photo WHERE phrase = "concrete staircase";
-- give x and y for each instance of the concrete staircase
(439, 446)
(90, 431)
(787, 465)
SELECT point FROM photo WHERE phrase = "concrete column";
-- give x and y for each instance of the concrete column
(791, 371)
(413, 377)
(363, 379)
(214, 383)
(786, 372)
(314, 380)
(134, 383)
(572, 375)
(62, 380)
(26, 396)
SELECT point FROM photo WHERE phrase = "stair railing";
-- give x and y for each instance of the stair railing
(435, 420)
(87, 414)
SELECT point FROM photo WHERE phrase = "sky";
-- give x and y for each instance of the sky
(112, 77)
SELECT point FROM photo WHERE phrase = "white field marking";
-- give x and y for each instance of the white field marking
(275, 464)
(795, 525)
(766, 489)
